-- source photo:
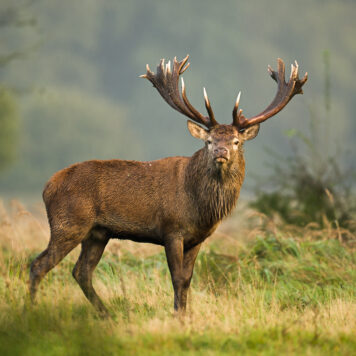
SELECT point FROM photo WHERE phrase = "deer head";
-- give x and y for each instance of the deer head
(222, 142)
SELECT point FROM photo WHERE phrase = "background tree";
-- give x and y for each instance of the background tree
(13, 17)
(9, 127)
(96, 50)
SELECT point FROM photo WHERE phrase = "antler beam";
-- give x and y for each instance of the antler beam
(166, 81)
(285, 93)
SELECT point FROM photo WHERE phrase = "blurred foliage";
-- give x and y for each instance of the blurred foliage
(14, 15)
(101, 59)
(299, 196)
(312, 183)
(65, 126)
(11, 17)
(9, 123)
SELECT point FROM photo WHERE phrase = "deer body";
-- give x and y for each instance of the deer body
(176, 202)
(142, 201)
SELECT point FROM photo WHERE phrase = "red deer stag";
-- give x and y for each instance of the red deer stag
(176, 202)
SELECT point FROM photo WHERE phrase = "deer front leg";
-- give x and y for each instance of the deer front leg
(189, 258)
(181, 265)
(174, 252)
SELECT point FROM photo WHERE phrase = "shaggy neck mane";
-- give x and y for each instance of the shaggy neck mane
(214, 191)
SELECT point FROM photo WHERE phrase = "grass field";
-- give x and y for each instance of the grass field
(258, 288)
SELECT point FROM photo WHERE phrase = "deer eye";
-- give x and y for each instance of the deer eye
(236, 142)
(208, 142)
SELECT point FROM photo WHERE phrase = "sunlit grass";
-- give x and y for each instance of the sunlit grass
(270, 293)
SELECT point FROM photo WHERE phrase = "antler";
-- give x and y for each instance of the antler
(166, 81)
(285, 93)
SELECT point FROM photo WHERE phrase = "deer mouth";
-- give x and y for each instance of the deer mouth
(220, 160)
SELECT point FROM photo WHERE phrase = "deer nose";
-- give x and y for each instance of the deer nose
(221, 154)
(221, 151)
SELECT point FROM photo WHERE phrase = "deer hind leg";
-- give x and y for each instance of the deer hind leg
(92, 250)
(57, 249)
(174, 253)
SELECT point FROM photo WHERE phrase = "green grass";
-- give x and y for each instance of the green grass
(44, 334)
(274, 296)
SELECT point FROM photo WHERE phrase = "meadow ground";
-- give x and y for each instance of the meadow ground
(258, 288)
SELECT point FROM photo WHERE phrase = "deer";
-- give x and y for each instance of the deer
(175, 202)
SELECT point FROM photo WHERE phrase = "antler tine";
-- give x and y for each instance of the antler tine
(209, 109)
(237, 115)
(157, 81)
(166, 81)
(179, 69)
(191, 108)
(285, 93)
(181, 64)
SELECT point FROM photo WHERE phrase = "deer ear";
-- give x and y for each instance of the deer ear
(196, 130)
(251, 132)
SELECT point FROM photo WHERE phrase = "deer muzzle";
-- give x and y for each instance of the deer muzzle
(221, 155)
